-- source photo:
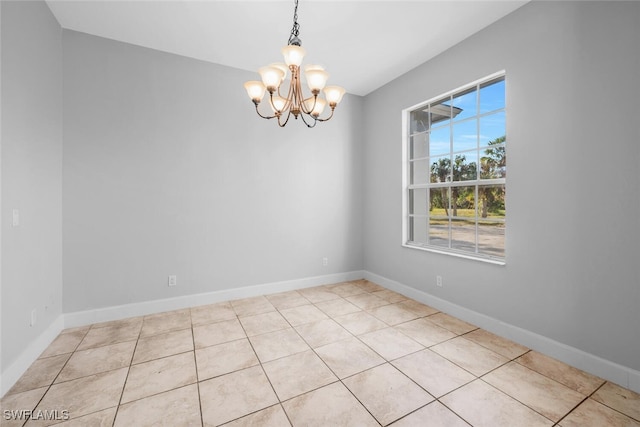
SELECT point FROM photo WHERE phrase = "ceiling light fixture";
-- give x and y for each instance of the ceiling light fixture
(273, 75)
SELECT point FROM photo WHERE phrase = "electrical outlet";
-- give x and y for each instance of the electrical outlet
(15, 220)
(33, 317)
(173, 280)
(439, 281)
(325, 261)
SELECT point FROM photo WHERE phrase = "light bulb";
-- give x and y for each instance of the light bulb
(281, 66)
(271, 77)
(255, 90)
(316, 79)
(278, 103)
(293, 55)
(333, 94)
(315, 106)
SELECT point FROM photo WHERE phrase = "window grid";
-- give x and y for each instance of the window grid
(470, 178)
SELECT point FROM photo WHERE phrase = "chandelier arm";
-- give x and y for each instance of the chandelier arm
(285, 122)
(330, 115)
(264, 117)
(304, 107)
(315, 121)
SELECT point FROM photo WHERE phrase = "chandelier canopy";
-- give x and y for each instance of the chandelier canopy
(294, 102)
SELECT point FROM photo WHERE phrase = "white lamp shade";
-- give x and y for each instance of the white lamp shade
(271, 77)
(318, 108)
(333, 94)
(282, 67)
(293, 55)
(278, 103)
(255, 90)
(316, 79)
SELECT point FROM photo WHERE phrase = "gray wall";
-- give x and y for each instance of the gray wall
(573, 219)
(31, 173)
(168, 170)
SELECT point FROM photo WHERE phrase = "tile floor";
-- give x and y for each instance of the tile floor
(349, 354)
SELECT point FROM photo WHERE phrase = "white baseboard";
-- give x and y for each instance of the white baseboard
(12, 374)
(87, 317)
(605, 369)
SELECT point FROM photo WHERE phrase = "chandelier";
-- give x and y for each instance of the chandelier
(294, 102)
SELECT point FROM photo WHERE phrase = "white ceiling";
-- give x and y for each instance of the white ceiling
(362, 44)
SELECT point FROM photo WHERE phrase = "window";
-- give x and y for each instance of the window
(455, 172)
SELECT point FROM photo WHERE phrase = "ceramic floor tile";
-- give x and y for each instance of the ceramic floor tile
(434, 414)
(318, 294)
(337, 307)
(102, 418)
(247, 352)
(163, 345)
(157, 376)
(41, 373)
(503, 346)
(85, 395)
(332, 405)
(272, 416)
(225, 358)
(16, 404)
(484, 406)
(263, 323)
(620, 399)
(212, 313)
(303, 314)
(390, 296)
(348, 357)
(98, 337)
(235, 395)
(360, 322)
(297, 374)
(393, 314)
(120, 323)
(278, 344)
(252, 306)
(289, 299)
(390, 344)
(217, 333)
(166, 322)
(95, 360)
(471, 356)
(594, 414)
(418, 308)
(387, 393)
(425, 332)
(573, 378)
(64, 343)
(368, 286)
(178, 407)
(451, 323)
(346, 289)
(542, 394)
(433, 372)
(76, 329)
(366, 301)
(323, 332)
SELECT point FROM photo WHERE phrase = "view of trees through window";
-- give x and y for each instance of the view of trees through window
(456, 172)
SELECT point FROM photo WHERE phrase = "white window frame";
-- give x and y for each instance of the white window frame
(406, 181)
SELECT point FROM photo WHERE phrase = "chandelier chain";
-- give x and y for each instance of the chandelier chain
(295, 30)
